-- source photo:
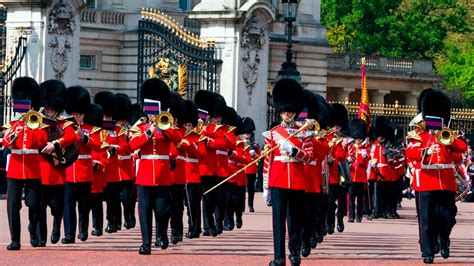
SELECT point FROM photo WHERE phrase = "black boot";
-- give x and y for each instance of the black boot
(306, 249)
(174, 239)
(56, 233)
(68, 240)
(295, 260)
(144, 250)
(110, 228)
(238, 222)
(14, 246)
(277, 262)
(340, 225)
(428, 259)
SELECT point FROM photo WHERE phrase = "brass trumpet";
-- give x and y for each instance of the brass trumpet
(33, 119)
(446, 136)
(164, 120)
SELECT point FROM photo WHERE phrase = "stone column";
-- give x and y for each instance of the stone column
(411, 98)
(343, 94)
(241, 37)
(377, 96)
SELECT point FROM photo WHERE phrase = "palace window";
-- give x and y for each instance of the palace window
(90, 3)
(87, 62)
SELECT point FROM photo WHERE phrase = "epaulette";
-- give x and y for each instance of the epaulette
(217, 127)
(231, 128)
(140, 121)
(95, 129)
(7, 126)
(43, 125)
(123, 130)
(238, 142)
(413, 135)
(135, 129)
(67, 123)
(202, 138)
(247, 146)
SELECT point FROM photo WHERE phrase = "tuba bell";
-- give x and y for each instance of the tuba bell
(164, 120)
(33, 119)
(446, 136)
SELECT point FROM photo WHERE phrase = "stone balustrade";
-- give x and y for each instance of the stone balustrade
(383, 64)
(103, 17)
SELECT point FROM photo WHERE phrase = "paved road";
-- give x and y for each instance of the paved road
(388, 242)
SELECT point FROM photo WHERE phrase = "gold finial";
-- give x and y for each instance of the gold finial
(362, 60)
(346, 100)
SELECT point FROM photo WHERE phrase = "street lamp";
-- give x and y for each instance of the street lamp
(288, 68)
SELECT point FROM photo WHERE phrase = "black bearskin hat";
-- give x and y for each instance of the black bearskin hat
(220, 106)
(340, 116)
(124, 107)
(311, 102)
(204, 100)
(108, 101)
(190, 113)
(230, 117)
(53, 95)
(358, 128)
(248, 126)
(156, 89)
(26, 88)
(78, 100)
(177, 106)
(436, 103)
(287, 96)
(94, 115)
(137, 113)
(383, 128)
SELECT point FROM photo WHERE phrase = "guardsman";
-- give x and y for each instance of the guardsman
(194, 150)
(337, 154)
(358, 157)
(23, 169)
(178, 174)
(53, 177)
(153, 178)
(215, 141)
(435, 179)
(284, 170)
(313, 180)
(108, 101)
(125, 161)
(93, 122)
(79, 175)
(248, 135)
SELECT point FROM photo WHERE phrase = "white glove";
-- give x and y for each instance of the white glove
(373, 164)
(267, 196)
(252, 153)
(364, 154)
(433, 148)
(285, 147)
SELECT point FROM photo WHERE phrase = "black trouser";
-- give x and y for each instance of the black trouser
(128, 199)
(369, 194)
(336, 193)
(356, 190)
(437, 211)
(80, 193)
(286, 204)
(52, 196)
(221, 202)
(379, 198)
(321, 227)
(97, 208)
(155, 200)
(209, 201)
(177, 209)
(231, 203)
(240, 201)
(112, 198)
(312, 203)
(390, 197)
(251, 188)
(32, 201)
(194, 195)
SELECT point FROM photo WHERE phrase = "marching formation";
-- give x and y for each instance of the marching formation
(171, 153)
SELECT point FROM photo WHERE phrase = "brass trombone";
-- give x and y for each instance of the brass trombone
(164, 120)
(446, 136)
(33, 119)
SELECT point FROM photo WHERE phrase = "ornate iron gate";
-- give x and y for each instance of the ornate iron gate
(166, 50)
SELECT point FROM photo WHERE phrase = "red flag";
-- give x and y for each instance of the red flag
(364, 110)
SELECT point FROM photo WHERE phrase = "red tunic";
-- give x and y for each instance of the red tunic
(100, 157)
(153, 166)
(240, 157)
(227, 133)
(283, 171)
(253, 169)
(338, 153)
(194, 150)
(125, 162)
(178, 175)
(51, 175)
(313, 169)
(436, 171)
(215, 142)
(24, 159)
(360, 156)
(81, 170)
(386, 170)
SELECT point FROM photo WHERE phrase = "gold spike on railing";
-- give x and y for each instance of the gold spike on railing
(175, 28)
